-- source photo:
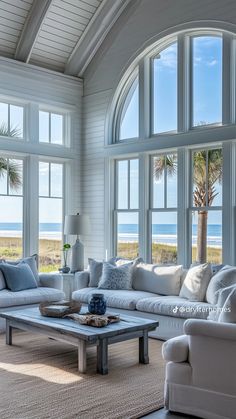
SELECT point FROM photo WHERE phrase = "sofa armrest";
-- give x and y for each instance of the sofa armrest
(195, 327)
(82, 279)
(51, 281)
(176, 349)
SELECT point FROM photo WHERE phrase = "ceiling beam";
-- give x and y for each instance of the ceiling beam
(93, 36)
(31, 29)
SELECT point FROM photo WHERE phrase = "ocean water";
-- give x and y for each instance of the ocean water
(161, 233)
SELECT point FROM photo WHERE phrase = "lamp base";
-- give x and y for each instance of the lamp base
(77, 256)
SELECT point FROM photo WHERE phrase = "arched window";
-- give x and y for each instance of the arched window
(130, 112)
(178, 86)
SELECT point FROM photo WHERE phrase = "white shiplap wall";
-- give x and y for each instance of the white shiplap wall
(92, 167)
(13, 14)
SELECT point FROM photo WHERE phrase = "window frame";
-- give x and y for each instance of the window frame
(64, 127)
(165, 208)
(117, 210)
(11, 102)
(191, 36)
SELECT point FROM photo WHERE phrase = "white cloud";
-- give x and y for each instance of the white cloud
(211, 63)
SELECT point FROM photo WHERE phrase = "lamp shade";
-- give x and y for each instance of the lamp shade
(77, 224)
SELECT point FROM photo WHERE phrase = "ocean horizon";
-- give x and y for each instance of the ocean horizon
(161, 233)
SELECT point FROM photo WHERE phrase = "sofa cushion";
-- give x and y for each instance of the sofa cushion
(19, 277)
(116, 277)
(224, 278)
(228, 313)
(222, 296)
(95, 272)
(2, 281)
(32, 261)
(164, 280)
(196, 282)
(32, 296)
(174, 306)
(123, 299)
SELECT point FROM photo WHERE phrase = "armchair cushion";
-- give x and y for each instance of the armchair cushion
(176, 349)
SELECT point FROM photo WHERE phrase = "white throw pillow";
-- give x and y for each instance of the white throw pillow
(224, 278)
(222, 296)
(163, 280)
(196, 282)
(228, 313)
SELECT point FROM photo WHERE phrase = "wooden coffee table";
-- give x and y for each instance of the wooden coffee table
(68, 331)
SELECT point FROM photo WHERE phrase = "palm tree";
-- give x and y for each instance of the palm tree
(207, 165)
(9, 166)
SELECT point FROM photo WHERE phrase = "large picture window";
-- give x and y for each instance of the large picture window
(165, 90)
(127, 208)
(164, 208)
(207, 80)
(207, 173)
(11, 203)
(50, 215)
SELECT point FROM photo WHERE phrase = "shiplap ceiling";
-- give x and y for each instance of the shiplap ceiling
(61, 35)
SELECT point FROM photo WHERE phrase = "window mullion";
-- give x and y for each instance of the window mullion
(183, 221)
(227, 82)
(183, 83)
(30, 205)
(144, 99)
(229, 192)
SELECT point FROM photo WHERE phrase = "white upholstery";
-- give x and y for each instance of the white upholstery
(124, 299)
(51, 281)
(30, 296)
(174, 306)
(164, 280)
(82, 279)
(176, 349)
(196, 282)
(205, 384)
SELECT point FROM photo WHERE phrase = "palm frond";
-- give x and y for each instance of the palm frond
(168, 162)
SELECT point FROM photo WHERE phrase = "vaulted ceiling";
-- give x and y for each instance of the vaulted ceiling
(61, 35)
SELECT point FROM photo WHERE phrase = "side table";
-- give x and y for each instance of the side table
(69, 283)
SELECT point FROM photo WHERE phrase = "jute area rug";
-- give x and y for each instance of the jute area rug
(39, 380)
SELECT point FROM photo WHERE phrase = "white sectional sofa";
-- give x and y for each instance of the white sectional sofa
(144, 300)
(49, 289)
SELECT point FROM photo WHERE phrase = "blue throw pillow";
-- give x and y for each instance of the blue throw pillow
(19, 277)
(32, 261)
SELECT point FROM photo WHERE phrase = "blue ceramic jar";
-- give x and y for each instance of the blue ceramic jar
(97, 304)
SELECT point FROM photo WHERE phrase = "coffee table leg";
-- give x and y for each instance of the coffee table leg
(82, 356)
(8, 333)
(143, 348)
(102, 357)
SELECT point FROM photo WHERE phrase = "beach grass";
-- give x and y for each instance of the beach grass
(50, 252)
(164, 253)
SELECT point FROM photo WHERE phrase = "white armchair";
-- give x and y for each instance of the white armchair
(201, 370)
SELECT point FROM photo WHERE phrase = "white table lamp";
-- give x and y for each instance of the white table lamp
(77, 225)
